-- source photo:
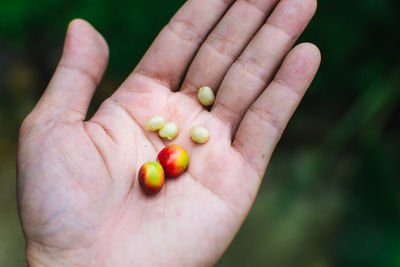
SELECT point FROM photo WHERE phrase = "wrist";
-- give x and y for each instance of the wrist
(40, 256)
(34, 260)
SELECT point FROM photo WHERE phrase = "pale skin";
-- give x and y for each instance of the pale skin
(79, 198)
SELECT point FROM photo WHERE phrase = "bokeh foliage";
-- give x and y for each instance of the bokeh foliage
(331, 194)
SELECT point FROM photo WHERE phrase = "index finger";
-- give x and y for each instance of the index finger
(168, 57)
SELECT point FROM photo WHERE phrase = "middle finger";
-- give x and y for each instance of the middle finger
(225, 43)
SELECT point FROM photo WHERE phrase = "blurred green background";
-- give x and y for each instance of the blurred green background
(331, 194)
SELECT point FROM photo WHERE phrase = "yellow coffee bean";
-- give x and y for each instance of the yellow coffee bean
(199, 134)
(155, 123)
(206, 96)
(169, 131)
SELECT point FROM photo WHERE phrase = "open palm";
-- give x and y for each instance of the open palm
(79, 198)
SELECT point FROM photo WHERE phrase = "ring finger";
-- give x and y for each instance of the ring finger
(256, 66)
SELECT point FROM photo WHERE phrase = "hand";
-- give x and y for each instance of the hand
(79, 197)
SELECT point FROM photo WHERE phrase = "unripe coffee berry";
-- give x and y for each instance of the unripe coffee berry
(199, 134)
(206, 96)
(169, 131)
(151, 177)
(155, 123)
(174, 160)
